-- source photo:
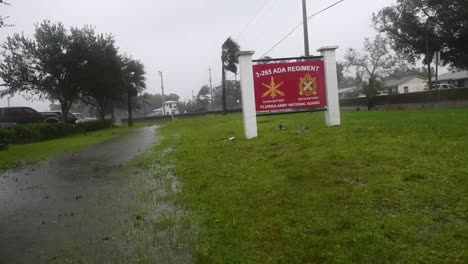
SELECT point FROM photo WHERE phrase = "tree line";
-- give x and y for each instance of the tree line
(202, 101)
(71, 66)
(409, 30)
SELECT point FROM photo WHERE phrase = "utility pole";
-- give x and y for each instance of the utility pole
(162, 95)
(437, 58)
(8, 99)
(306, 28)
(211, 90)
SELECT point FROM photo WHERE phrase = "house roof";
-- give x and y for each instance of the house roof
(171, 102)
(453, 76)
(347, 89)
(395, 81)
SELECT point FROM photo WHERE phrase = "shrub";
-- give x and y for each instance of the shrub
(30, 133)
(5, 137)
(95, 125)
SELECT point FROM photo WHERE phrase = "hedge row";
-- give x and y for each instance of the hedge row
(30, 133)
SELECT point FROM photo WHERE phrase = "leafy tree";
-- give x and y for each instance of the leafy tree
(172, 97)
(233, 93)
(2, 19)
(423, 27)
(203, 99)
(374, 63)
(229, 61)
(48, 65)
(404, 71)
(133, 80)
(344, 81)
(101, 76)
(145, 102)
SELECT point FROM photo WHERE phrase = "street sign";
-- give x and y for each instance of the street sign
(290, 86)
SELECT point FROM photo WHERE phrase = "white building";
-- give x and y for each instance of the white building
(170, 108)
(350, 92)
(408, 84)
(458, 79)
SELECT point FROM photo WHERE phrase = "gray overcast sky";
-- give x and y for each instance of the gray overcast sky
(182, 38)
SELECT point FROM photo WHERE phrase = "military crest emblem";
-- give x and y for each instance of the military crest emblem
(308, 85)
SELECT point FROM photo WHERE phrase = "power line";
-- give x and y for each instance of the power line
(300, 24)
(255, 17)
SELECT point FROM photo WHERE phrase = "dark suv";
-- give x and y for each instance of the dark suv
(71, 118)
(24, 115)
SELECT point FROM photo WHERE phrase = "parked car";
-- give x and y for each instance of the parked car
(25, 115)
(71, 119)
(443, 86)
(79, 117)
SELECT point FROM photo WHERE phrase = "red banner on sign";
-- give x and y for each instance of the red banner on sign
(285, 86)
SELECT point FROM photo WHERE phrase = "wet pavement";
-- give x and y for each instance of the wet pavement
(56, 207)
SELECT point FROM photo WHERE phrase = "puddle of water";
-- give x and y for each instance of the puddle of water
(80, 205)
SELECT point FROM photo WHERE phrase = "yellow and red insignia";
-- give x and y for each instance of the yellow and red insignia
(273, 89)
(308, 85)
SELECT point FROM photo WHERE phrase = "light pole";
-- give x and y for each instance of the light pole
(306, 28)
(211, 90)
(429, 71)
(162, 96)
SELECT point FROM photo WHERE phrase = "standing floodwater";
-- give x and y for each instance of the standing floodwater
(55, 206)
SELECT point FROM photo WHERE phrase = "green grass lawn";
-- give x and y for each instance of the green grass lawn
(28, 153)
(385, 187)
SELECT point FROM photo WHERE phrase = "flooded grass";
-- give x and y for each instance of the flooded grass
(93, 206)
(17, 156)
(27, 154)
(140, 218)
(385, 187)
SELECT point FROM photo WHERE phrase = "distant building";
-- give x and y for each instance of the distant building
(170, 108)
(458, 79)
(406, 84)
(349, 92)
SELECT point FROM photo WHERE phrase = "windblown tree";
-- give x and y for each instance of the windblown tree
(203, 99)
(2, 18)
(344, 81)
(133, 81)
(48, 65)
(229, 61)
(101, 77)
(376, 61)
(423, 27)
(233, 94)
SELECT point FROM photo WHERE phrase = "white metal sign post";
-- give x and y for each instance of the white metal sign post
(332, 114)
(248, 94)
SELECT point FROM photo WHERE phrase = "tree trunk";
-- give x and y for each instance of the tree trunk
(130, 118)
(64, 107)
(370, 103)
(112, 109)
(224, 91)
(429, 75)
(102, 113)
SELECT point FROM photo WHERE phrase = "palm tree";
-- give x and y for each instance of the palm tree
(146, 97)
(229, 61)
(203, 98)
(133, 82)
